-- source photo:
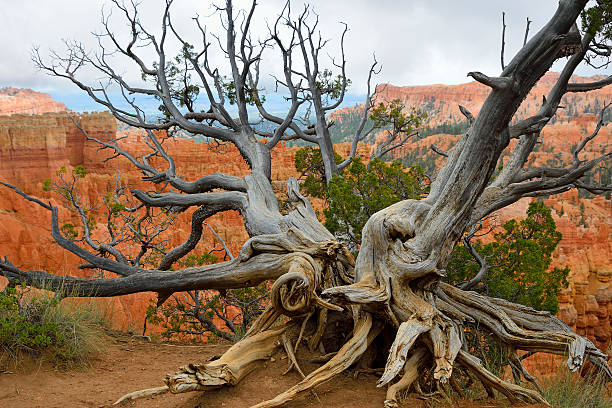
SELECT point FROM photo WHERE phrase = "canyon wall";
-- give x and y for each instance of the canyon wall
(33, 148)
(17, 100)
(441, 102)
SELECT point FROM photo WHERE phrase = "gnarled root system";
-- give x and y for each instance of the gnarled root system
(391, 295)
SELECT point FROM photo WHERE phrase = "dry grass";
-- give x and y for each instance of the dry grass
(35, 324)
(567, 390)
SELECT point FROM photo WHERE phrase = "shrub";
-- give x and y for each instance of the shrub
(519, 260)
(365, 189)
(65, 333)
(217, 314)
(226, 315)
(519, 271)
(567, 390)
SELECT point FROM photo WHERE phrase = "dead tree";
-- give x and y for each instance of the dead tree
(395, 284)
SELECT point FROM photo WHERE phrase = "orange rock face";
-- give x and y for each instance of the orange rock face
(32, 148)
(27, 101)
(441, 102)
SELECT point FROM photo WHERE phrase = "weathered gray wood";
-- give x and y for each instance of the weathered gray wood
(405, 248)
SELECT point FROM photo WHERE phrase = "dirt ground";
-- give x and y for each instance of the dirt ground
(130, 364)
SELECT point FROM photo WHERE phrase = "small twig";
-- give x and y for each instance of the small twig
(503, 40)
(439, 151)
(526, 31)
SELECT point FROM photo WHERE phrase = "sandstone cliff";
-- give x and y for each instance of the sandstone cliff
(32, 148)
(441, 102)
(27, 101)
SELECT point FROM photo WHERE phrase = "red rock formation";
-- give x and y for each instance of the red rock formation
(27, 101)
(441, 101)
(32, 148)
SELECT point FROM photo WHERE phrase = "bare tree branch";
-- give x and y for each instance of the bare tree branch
(527, 31)
(503, 40)
(440, 152)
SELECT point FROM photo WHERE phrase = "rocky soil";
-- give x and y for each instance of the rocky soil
(131, 363)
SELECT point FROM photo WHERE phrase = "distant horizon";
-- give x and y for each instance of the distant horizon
(79, 101)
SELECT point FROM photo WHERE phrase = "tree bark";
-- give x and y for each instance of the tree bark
(396, 281)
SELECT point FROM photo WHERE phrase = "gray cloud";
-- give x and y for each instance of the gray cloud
(417, 42)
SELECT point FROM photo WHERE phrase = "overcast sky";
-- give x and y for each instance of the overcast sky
(416, 41)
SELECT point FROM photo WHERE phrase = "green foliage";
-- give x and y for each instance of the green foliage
(40, 325)
(185, 92)
(178, 75)
(364, 190)
(114, 207)
(46, 185)
(394, 116)
(309, 163)
(79, 171)
(251, 95)
(597, 20)
(330, 85)
(519, 261)
(220, 314)
(69, 231)
(360, 190)
(390, 116)
(91, 220)
(197, 260)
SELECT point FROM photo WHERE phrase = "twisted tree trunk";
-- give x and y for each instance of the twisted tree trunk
(395, 284)
(406, 246)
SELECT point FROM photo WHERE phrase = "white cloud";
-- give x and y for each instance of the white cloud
(417, 42)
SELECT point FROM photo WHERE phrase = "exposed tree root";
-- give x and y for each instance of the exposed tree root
(229, 369)
(315, 339)
(411, 373)
(264, 321)
(527, 329)
(233, 365)
(514, 393)
(291, 356)
(428, 335)
(518, 370)
(429, 317)
(405, 338)
(142, 394)
(363, 334)
(322, 359)
(446, 343)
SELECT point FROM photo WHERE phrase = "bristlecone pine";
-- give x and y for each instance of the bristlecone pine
(392, 294)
